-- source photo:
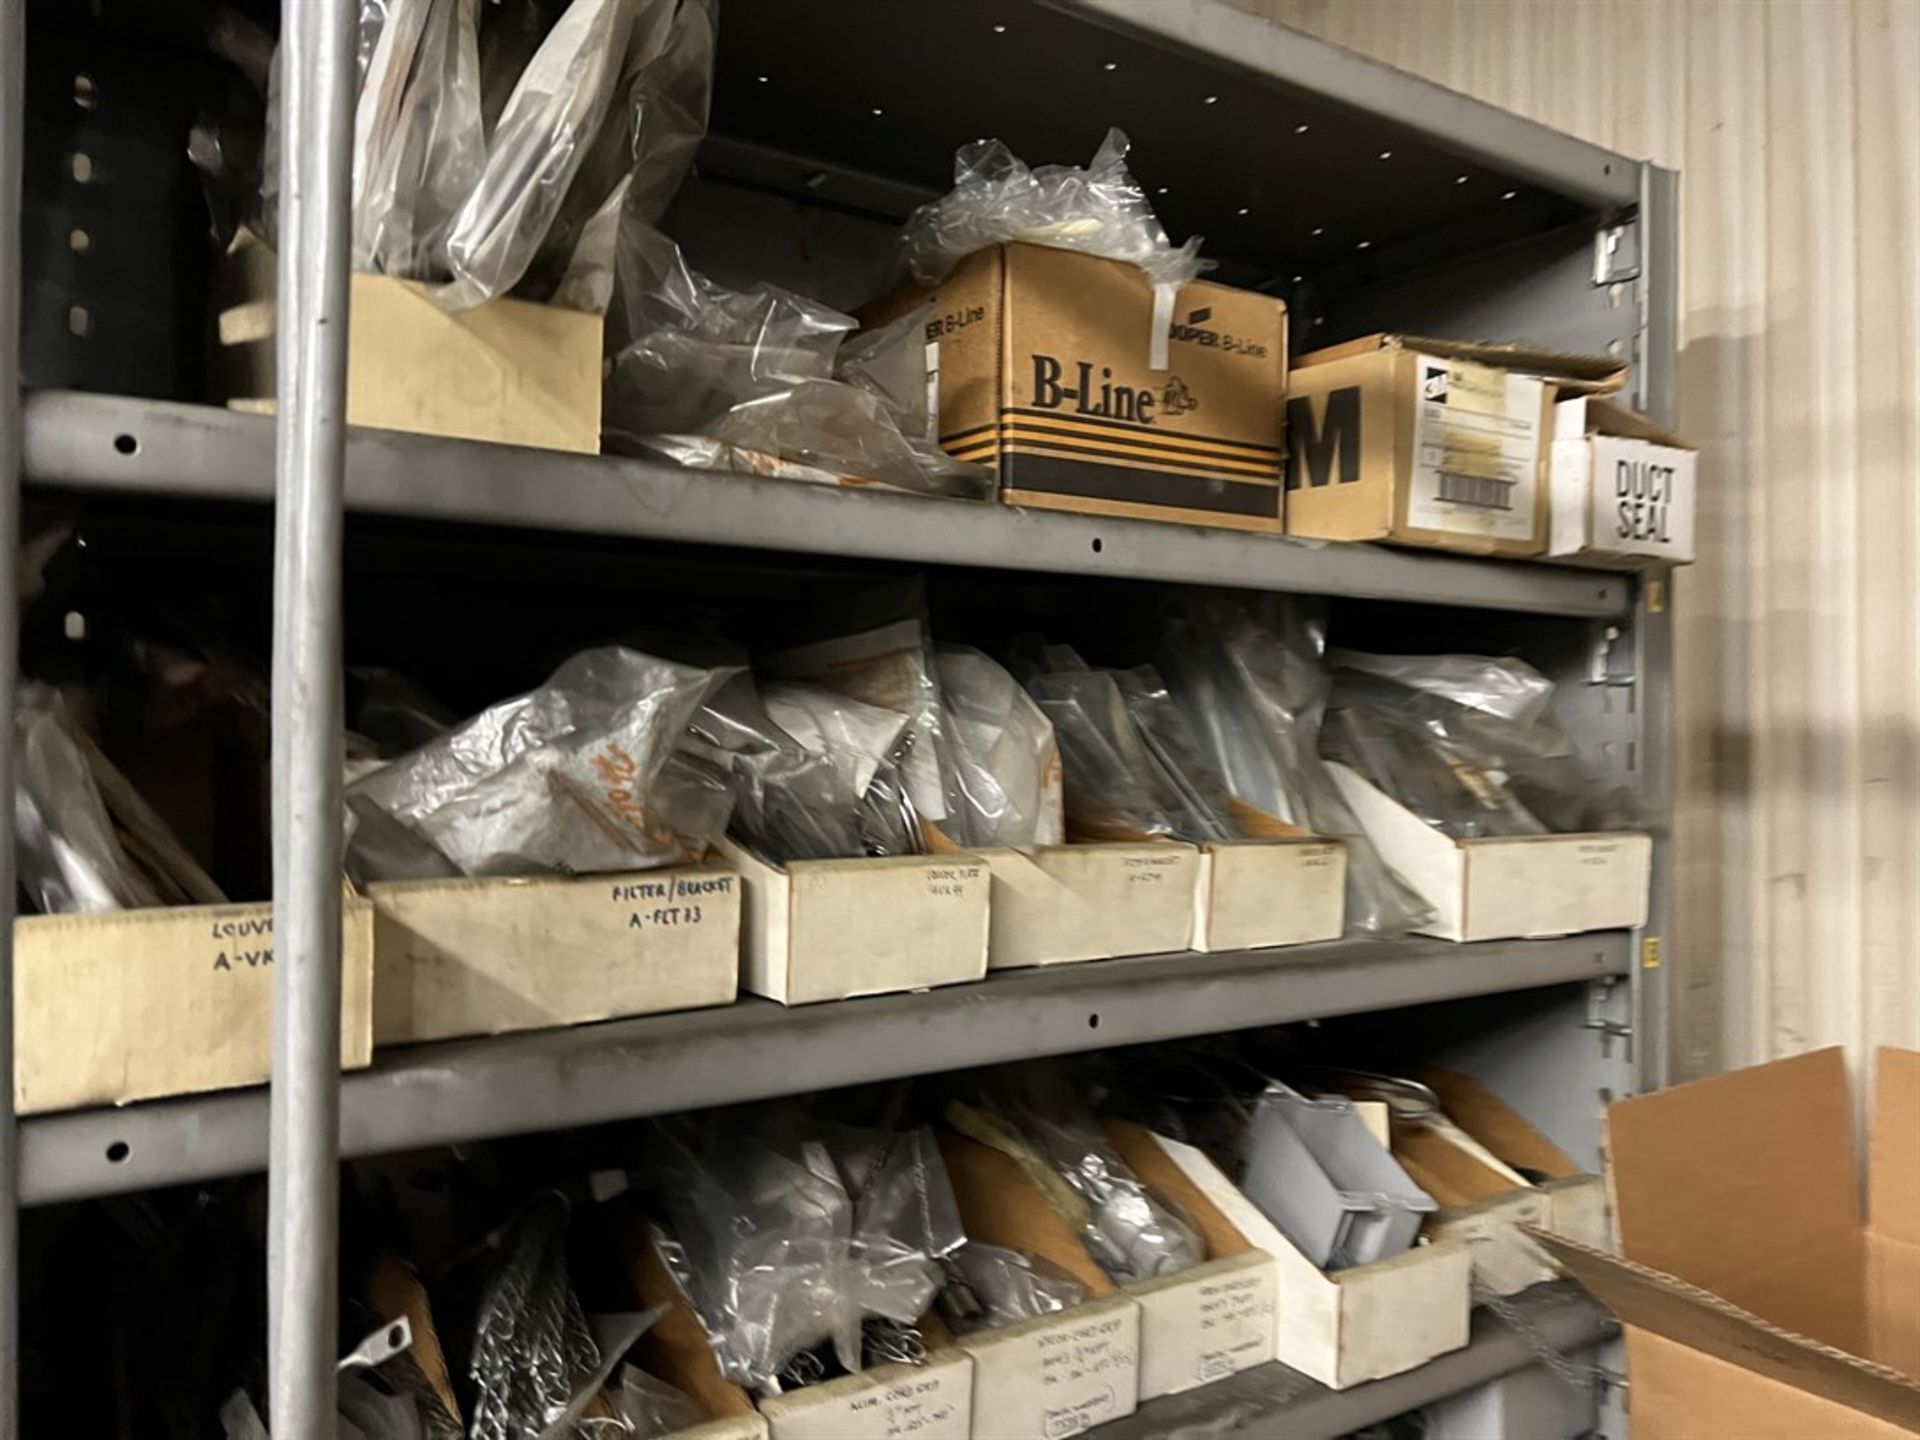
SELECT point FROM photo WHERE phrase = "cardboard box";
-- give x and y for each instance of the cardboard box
(1503, 888)
(1345, 1327)
(833, 929)
(488, 956)
(1576, 1199)
(1210, 1321)
(1622, 487)
(1057, 904)
(1048, 374)
(1485, 1204)
(1428, 442)
(1061, 1374)
(1258, 893)
(140, 1004)
(1760, 1296)
(508, 370)
(675, 1347)
(933, 1401)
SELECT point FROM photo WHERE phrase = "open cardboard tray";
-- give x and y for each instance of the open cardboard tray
(1519, 888)
(1061, 1374)
(1259, 893)
(489, 956)
(834, 929)
(1345, 1327)
(1058, 904)
(177, 1000)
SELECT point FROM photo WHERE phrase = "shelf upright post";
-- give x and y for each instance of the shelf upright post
(13, 124)
(317, 74)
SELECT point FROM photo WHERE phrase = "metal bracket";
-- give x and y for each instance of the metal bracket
(381, 1346)
(1616, 253)
(1599, 996)
(1610, 660)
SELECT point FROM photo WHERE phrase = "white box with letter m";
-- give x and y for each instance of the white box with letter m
(1622, 488)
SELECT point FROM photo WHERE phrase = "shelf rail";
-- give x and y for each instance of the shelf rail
(13, 120)
(317, 69)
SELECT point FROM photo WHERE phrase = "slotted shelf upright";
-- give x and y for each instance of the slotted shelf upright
(1370, 199)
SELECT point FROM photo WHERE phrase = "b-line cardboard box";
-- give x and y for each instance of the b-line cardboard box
(1506, 888)
(1428, 442)
(1761, 1298)
(489, 956)
(1061, 1374)
(833, 929)
(1345, 1327)
(1622, 488)
(1062, 372)
(141, 1004)
(507, 371)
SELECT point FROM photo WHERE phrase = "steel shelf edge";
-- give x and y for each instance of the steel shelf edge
(1237, 39)
(590, 1074)
(1272, 1399)
(109, 443)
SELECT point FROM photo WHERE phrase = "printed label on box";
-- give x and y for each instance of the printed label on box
(1476, 450)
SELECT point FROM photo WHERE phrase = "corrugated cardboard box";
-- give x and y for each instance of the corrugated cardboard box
(1345, 1327)
(1061, 1374)
(508, 370)
(489, 956)
(1622, 487)
(1047, 372)
(1762, 1299)
(140, 1004)
(1428, 442)
(1503, 888)
(1215, 1319)
(834, 929)
(1057, 904)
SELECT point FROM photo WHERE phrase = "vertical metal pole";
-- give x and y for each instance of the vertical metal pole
(13, 124)
(316, 88)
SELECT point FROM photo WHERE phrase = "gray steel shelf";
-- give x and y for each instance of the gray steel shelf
(107, 443)
(556, 1079)
(1272, 1400)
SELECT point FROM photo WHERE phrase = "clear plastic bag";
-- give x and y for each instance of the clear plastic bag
(1101, 210)
(753, 372)
(650, 1408)
(1002, 756)
(989, 1286)
(760, 1245)
(532, 1349)
(881, 656)
(418, 148)
(1254, 697)
(905, 1219)
(1202, 805)
(578, 776)
(1468, 771)
(1034, 1115)
(68, 852)
(1508, 688)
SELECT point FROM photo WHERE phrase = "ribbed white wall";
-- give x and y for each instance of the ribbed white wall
(1796, 126)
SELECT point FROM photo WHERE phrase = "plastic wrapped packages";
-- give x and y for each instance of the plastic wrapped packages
(85, 841)
(578, 776)
(1101, 210)
(882, 657)
(649, 1408)
(1467, 770)
(746, 379)
(1204, 808)
(1254, 697)
(1036, 1118)
(989, 1286)
(1003, 760)
(784, 1240)
(1509, 688)
(417, 143)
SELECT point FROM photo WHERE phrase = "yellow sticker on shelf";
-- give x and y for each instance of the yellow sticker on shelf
(1650, 953)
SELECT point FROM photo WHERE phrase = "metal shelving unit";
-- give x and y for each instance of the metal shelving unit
(1370, 198)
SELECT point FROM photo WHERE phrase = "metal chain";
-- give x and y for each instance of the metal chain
(1577, 1374)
